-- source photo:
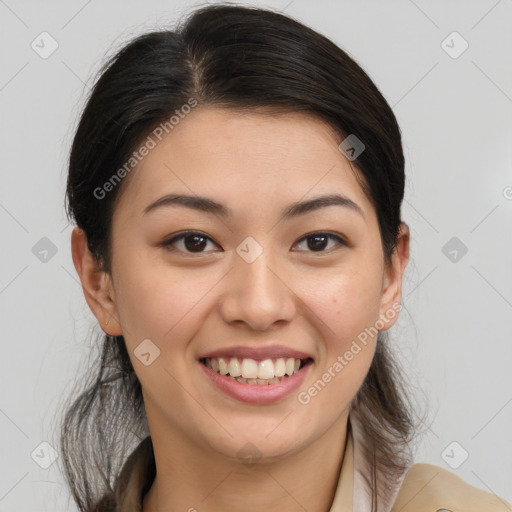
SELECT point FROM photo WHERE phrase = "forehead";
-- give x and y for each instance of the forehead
(246, 159)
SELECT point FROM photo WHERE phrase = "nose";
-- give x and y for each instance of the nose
(258, 294)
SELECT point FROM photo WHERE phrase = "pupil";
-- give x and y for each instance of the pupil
(317, 245)
(195, 245)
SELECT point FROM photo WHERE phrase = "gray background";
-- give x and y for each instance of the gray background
(454, 335)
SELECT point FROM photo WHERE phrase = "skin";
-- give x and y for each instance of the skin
(189, 303)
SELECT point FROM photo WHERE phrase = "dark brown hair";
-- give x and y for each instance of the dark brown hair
(233, 57)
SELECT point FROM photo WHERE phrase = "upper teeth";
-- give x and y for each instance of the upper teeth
(251, 369)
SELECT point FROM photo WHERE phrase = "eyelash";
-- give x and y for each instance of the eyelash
(168, 243)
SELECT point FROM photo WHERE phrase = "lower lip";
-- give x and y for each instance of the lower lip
(257, 393)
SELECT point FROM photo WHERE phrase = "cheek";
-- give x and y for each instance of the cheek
(347, 308)
(168, 308)
(161, 303)
(348, 302)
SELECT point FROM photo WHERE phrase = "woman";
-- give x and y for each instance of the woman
(236, 186)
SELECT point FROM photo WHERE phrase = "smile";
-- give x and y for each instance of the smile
(253, 389)
(253, 372)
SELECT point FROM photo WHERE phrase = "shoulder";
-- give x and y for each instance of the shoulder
(428, 488)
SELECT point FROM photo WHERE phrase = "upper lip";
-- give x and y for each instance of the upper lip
(260, 353)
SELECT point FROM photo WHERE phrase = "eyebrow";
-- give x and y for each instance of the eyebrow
(207, 205)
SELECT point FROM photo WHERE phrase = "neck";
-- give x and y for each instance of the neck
(191, 479)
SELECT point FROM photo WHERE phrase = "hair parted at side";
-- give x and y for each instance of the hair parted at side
(234, 57)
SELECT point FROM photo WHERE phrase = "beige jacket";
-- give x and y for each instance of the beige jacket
(422, 488)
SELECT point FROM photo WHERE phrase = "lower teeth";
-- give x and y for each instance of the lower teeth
(258, 382)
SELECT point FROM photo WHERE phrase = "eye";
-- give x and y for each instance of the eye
(194, 242)
(188, 242)
(317, 240)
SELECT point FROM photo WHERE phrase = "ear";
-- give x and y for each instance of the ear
(392, 282)
(96, 284)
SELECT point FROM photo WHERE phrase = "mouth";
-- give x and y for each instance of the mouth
(256, 372)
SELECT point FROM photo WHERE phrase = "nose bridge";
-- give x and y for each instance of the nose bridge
(258, 293)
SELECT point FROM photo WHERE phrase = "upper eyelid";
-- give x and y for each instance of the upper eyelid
(339, 238)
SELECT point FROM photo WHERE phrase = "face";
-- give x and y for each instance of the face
(251, 280)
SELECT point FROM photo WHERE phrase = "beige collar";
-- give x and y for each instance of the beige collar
(343, 497)
(353, 491)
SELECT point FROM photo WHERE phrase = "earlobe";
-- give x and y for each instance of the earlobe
(393, 274)
(96, 284)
